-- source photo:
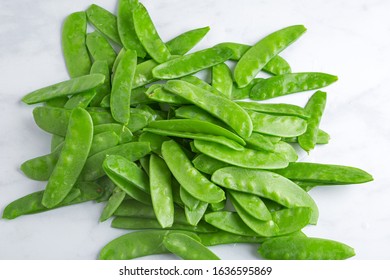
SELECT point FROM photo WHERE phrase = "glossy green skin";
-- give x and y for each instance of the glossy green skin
(101, 67)
(304, 248)
(81, 100)
(191, 63)
(103, 141)
(244, 92)
(148, 36)
(251, 204)
(315, 107)
(286, 150)
(56, 141)
(100, 48)
(161, 191)
(290, 83)
(247, 158)
(112, 204)
(73, 156)
(74, 46)
(202, 84)
(187, 248)
(65, 88)
(263, 51)
(137, 122)
(116, 62)
(104, 21)
(223, 237)
(143, 73)
(183, 43)
(275, 109)
(123, 132)
(121, 87)
(265, 184)
(154, 140)
(258, 141)
(229, 222)
(131, 151)
(100, 115)
(196, 214)
(189, 201)
(137, 244)
(208, 165)
(291, 219)
(126, 27)
(188, 177)
(222, 79)
(220, 107)
(58, 102)
(282, 126)
(159, 94)
(322, 138)
(134, 208)
(324, 174)
(194, 112)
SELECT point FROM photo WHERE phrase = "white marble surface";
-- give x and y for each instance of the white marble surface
(347, 38)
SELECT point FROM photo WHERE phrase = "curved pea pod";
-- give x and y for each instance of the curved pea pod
(191, 63)
(104, 21)
(275, 109)
(291, 219)
(282, 126)
(188, 177)
(143, 73)
(74, 46)
(194, 112)
(123, 132)
(148, 36)
(134, 208)
(229, 222)
(196, 214)
(69, 87)
(286, 150)
(258, 141)
(112, 204)
(159, 94)
(187, 248)
(244, 92)
(208, 165)
(324, 174)
(100, 48)
(251, 204)
(304, 248)
(202, 84)
(101, 67)
(137, 122)
(222, 79)
(220, 107)
(81, 100)
(73, 156)
(155, 140)
(248, 158)
(290, 83)
(322, 138)
(126, 27)
(265, 184)
(263, 51)
(103, 141)
(55, 142)
(183, 43)
(137, 244)
(223, 237)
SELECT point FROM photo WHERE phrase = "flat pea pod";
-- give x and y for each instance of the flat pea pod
(194, 112)
(101, 67)
(148, 36)
(291, 220)
(191, 63)
(112, 204)
(207, 165)
(188, 177)
(202, 84)
(265, 184)
(134, 208)
(244, 92)
(123, 132)
(55, 142)
(100, 115)
(137, 122)
(322, 138)
(103, 141)
(196, 214)
(290, 83)
(74, 46)
(81, 100)
(161, 191)
(159, 94)
(104, 21)
(121, 87)
(286, 150)
(137, 244)
(223, 237)
(126, 27)
(57, 102)
(73, 156)
(304, 248)
(324, 174)
(155, 140)
(283, 126)
(248, 158)
(315, 107)
(143, 73)
(263, 51)
(100, 48)
(222, 79)
(69, 87)
(229, 222)
(252, 204)
(188, 200)
(220, 107)
(276, 109)
(187, 248)
(183, 43)
(258, 141)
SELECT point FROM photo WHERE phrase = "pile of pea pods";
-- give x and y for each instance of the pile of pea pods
(181, 162)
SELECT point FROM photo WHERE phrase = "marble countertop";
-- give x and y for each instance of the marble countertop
(347, 38)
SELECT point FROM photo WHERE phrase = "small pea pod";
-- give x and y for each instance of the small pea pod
(196, 214)
(222, 79)
(208, 165)
(252, 204)
(223, 237)
(81, 100)
(275, 109)
(322, 138)
(159, 94)
(229, 222)
(244, 92)
(101, 67)
(103, 141)
(291, 219)
(100, 48)
(258, 141)
(202, 84)
(183, 43)
(154, 140)
(143, 73)
(112, 204)
(123, 132)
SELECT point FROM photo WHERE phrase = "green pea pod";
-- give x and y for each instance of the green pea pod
(159, 94)
(324, 174)
(143, 73)
(304, 248)
(154, 140)
(101, 67)
(73, 156)
(263, 51)
(58, 102)
(104, 21)
(265, 184)
(183, 43)
(244, 92)
(194, 112)
(208, 165)
(74, 46)
(191, 63)
(123, 132)
(69, 87)
(286, 150)
(222, 108)
(258, 141)
(222, 79)
(196, 214)
(229, 222)
(290, 83)
(291, 219)
(189, 201)
(81, 100)
(112, 204)
(223, 237)
(275, 109)
(188, 177)
(137, 244)
(55, 142)
(187, 248)
(252, 204)
(100, 48)
(137, 122)
(322, 138)
(202, 84)
(103, 141)
(138, 96)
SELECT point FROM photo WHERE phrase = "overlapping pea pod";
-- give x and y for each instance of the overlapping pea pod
(112, 204)
(183, 43)
(100, 49)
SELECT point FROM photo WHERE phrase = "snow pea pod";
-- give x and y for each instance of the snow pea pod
(137, 122)
(148, 36)
(223, 237)
(324, 174)
(112, 204)
(275, 109)
(143, 73)
(121, 87)
(244, 92)
(188, 200)
(290, 83)
(194, 112)
(291, 219)
(122, 131)
(188, 177)
(103, 141)
(183, 43)
(207, 165)
(252, 204)
(73, 156)
(81, 100)
(69, 87)
(154, 140)
(191, 63)
(229, 222)
(222, 79)
(187, 248)
(100, 48)
(74, 46)
(246, 158)
(202, 84)
(304, 248)
(220, 107)
(322, 138)
(101, 67)
(258, 141)
(55, 142)
(265, 184)
(286, 150)
(126, 27)
(196, 214)
(263, 51)
(159, 94)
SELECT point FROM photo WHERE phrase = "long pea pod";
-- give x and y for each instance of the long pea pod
(229, 222)
(183, 43)
(276, 109)
(112, 204)
(222, 79)
(207, 165)
(202, 84)
(196, 214)
(194, 112)
(322, 138)
(155, 140)
(244, 92)
(100, 48)
(189, 201)
(291, 220)
(258, 141)
(101, 67)
(223, 237)
(252, 204)
(143, 73)
(81, 100)
(159, 94)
